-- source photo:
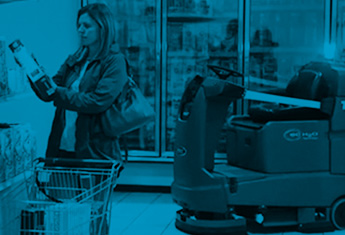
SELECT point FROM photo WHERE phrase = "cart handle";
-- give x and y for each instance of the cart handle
(76, 163)
(80, 163)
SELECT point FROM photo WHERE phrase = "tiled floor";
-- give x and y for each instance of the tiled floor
(152, 213)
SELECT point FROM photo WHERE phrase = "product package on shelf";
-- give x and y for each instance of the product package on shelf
(2, 159)
(68, 218)
(175, 36)
(6, 153)
(188, 37)
(31, 218)
(3, 69)
(17, 149)
(2, 168)
(12, 202)
(17, 81)
(24, 147)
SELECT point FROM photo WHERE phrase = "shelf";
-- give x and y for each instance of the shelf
(253, 50)
(219, 17)
(10, 1)
(219, 157)
(288, 50)
(188, 18)
(187, 54)
(266, 82)
(13, 181)
(267, 49)
(223, 54)
(15, 97)
(141, 19)
(138, 47)
(286, 8)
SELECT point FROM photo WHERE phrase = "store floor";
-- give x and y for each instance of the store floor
(153, 213)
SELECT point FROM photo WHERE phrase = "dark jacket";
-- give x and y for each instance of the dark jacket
(102, 83)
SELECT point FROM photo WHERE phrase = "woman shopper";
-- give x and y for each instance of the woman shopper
(87, 84)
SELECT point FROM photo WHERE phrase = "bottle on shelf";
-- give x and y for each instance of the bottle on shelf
(40, 81)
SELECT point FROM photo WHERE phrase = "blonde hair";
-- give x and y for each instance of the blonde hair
(102, 15)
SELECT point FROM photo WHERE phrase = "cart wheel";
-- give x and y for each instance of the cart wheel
(338, 214)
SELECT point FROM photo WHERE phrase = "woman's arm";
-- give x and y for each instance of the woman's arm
(108, 88)
(57, 79)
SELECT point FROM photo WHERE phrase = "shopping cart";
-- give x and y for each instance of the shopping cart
(69, 197)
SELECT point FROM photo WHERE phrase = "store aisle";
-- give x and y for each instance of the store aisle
(154, 214)
(143, 213)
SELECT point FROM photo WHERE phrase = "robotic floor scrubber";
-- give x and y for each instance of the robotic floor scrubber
(285, 164)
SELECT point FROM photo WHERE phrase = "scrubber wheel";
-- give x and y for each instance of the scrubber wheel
(338, 214)
(190, 224)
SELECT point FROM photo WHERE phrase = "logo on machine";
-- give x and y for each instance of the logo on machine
(296, 135)
(292, 135)
(180, 151)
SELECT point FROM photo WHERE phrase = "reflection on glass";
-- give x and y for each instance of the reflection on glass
(284, 35)
(136, 33)
(200, 32)
(340, 34)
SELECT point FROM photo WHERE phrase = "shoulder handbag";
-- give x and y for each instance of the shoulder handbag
(130, 111)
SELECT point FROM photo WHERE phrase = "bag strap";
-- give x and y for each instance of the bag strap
(129, 74)
(128, 69)
(124, 137)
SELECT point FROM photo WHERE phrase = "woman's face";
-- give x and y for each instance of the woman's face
(88, 30)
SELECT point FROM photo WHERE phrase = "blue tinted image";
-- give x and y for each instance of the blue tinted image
(172, 117)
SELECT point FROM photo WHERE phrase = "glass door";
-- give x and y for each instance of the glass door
(339, 38)
(136, 32)
(284, 35)
(198, 33)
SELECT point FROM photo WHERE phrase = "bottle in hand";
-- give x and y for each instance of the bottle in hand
(40, 81)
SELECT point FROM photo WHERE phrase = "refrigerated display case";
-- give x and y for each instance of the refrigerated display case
(199, 33)
(168, 42)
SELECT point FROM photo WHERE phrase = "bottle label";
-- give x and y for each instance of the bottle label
(32, 70)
